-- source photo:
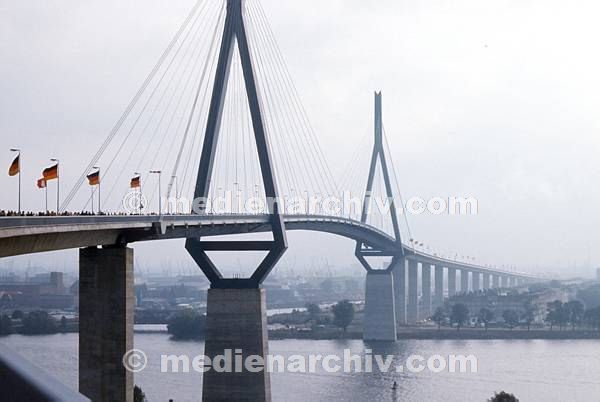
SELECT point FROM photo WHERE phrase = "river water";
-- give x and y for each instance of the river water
(534, 370)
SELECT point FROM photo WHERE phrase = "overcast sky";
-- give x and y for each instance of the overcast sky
(495, 100)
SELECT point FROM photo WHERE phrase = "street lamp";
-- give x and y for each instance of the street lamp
(159, 173)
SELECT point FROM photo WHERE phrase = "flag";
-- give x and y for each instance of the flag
(136, 182)
(15, 167)
(41, 183)
(51, 173)
(94, 178)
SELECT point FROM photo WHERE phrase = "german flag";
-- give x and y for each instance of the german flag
(94, 178)
(41, 183)
(51, 173)
(15, 167)
(136, 182)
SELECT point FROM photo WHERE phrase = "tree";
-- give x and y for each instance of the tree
(485, 316)
(187, 324)
(18, 315)
(460, 315)
(343, 314)
(503, 397)
(555, 314)
(528, 314)
(314, 311)
(511, 318)
(574, 311)
(38, 322)
(5, 325)
(63, 324)
(439, 316)
(138, 394)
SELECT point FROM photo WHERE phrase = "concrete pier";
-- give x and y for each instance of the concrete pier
(496, 281)
(464, 281)
(438, 285)
(426, 290)
(236, 320)
(476, 281)
(502, 281)
(105, 323)
(451, 282)
(412, 308)
(399, 273)
(487, 279)
(379, 322)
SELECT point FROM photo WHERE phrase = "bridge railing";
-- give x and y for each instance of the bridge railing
(22, 381)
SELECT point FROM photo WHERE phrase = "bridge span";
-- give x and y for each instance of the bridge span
(29, 235)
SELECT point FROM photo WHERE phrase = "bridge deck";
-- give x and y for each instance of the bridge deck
(26, 235)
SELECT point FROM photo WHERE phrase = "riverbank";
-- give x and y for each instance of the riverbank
(431, 333)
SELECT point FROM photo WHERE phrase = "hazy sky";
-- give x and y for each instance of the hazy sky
(495, 100)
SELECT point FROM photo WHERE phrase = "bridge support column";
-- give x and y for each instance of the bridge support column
(105, 323)
(399, 274)
(380, 313)
(476, 281)
(426, 290)
(412, 308)
(496, 280)
(236, 319)
(438, 298)
(438, 293)
(516, 281)
(486, 280)
(464, 281)
(451, 282)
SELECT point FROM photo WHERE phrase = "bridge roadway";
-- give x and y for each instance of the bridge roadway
(28, 235)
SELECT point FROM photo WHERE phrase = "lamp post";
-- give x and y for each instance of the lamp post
(57, 184)
(159, 173)
(18, 151)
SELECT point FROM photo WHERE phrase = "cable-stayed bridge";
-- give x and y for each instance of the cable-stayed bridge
(219, 115)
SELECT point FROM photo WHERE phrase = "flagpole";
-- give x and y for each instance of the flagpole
(92, 199)
(99, 184)
(46, 188)
(19, 156)
(57, 185)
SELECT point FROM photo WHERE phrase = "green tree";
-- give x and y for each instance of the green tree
(459, 315)
(39, 322)
(555, 314)
(528, 314)
(439, 316)
(485, 316)
(5, 325)
(511, 318)
(314, 311)
(63, 324)
(138, 394)
(343, 314)
(187, 324)
(574, 311)
(503, 397)
(18, 315)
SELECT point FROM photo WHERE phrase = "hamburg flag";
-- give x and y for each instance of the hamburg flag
(94, 178)
(15, 167)
(51, 173)
(136, 182)
(41, 183)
